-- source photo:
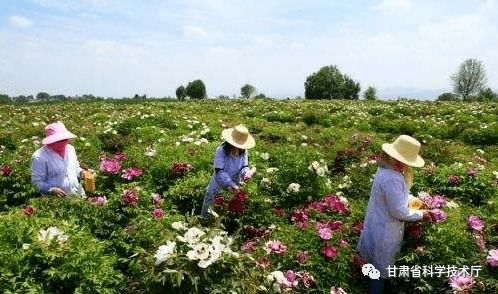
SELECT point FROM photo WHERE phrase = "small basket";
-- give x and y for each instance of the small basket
(88, 181)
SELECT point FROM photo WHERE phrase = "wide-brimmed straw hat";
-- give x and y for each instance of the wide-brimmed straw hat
(405, 149)
(239, 137)
(56, 132)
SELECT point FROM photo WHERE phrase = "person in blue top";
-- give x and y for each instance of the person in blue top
(387, 209)
(230, 164)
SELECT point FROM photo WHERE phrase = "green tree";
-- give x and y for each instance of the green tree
(247, 91)
(42, 96)
(196, 89)
(469, 79)
(448, 97)
(370, 93)
(181, 93)
(330, 83)
(487, 95)
(5, 99)
(260, 96)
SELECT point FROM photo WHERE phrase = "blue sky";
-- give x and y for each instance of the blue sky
(122, 47)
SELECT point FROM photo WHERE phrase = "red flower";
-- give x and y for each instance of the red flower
(28, 210)
(181, 168)
(219, 200)
(357, 228)
(302, 257)
(236, 206)
(129, 197)
(5, 170)
(414, 231)
(240, 195)
(329, 252)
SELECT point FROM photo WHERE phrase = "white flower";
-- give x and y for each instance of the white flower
(88, 144)
(25, 246)
(213, 213)
(271, 170)
(200, 251)
(304, 137)
(164, 252)
(177, 144)
(192, 235)
(344, 199)
(293, 188)
(150, 151)
(265, 156)
(452, 204)
(321, 171)
(265, 183)
(495, 173)
(480, 151)
(50, 234)
(178, 225)
(304, 144)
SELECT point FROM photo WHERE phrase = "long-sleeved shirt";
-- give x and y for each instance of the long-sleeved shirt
(49, 170)
(383, 227)
(228, 170)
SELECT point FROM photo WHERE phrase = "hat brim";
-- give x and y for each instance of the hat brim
(58, 137)
(248, 144)
(389, 149)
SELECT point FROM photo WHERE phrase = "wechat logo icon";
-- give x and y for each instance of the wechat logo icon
(369, 270)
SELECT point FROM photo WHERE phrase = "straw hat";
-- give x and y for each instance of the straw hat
(239, 137)
(56, 132)
(405, 149)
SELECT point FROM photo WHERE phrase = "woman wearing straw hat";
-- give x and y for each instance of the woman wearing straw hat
(383, 227)
(55, 169)
(230, 163)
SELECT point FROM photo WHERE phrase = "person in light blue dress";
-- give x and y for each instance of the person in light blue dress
(230, 164)
(383, 228)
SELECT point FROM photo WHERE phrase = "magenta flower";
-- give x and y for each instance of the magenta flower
(325, 233)
(492, 258)
(329, 252)
(438, 215)
(28, 211)
(338, 290)
(357, 228)
(292, 280)
(475, 223)
(5, 170)
(99, 200)
(120, 156)
(276, 247)
(307, 279)
(110, 166)
(249, 246)
(455, 180)
(158, 213)
(302, 257)
(156, 199)
(461, 282)
(414, 231)
(131, 173)
(436, 201)
(180, 168)
(129, 197)
(300, 218)
(335, 204)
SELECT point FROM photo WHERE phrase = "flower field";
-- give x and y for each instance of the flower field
(293, 228)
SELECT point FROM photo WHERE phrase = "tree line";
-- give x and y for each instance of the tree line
(469, 84)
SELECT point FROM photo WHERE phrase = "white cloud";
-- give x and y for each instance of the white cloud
(393, 5)
(19, 22)
(198, 32)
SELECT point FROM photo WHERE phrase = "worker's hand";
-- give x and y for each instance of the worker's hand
(234, 188)
(427, 216)
(57, 192)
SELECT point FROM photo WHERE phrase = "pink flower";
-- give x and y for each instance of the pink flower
(475, 223)
(156, 199)
(131, 173)
(325, 233)
(307, 279)
(120, 156)
(129, 197)
(158, 213)
(292, 280)
(436, 201)
(461, 282)
(343, 243)
(180, 168)
(28, 211)
(338, 290)
(302, 257)
(110, 166)
(420, 249)
(479, 240)
(99, 200)
(438, 215)
(335, 204)
(249, 246)
(357, 228)
(455, 180)
(492, 258)
(472, 172)
(330, 252)
(5, 170)
(276, 247)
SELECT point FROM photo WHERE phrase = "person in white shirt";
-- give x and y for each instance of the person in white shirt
(55, 169)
